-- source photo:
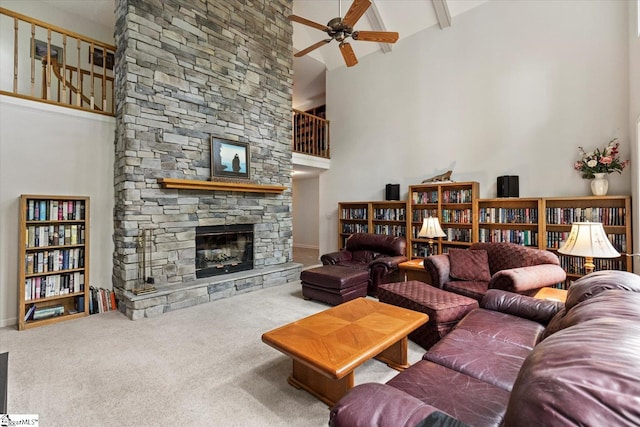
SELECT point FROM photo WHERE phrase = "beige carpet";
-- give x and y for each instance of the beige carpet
(200, 366)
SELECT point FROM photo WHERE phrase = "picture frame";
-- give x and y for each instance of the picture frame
(98, 55)
(41, 50)
(229, 159)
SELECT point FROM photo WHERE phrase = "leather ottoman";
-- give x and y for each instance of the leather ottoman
(444, 308)
(334, 284)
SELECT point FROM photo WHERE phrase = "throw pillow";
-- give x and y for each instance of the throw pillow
(470, 265)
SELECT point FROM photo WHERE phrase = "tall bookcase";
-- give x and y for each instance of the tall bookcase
(382, 217)
(53, 261)
(454, 205)
(614, 212)
(514, 220)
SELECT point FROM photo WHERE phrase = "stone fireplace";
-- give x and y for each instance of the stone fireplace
(189, 71)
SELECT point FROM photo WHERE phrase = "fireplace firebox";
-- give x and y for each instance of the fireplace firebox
(223, 249)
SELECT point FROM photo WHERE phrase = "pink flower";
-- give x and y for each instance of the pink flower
(606, 160)
(577, 165)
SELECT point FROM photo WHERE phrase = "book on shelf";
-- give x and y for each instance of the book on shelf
(29, 312)
(47, 312)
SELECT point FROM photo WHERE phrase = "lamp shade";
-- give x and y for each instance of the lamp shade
(431, 228)
(588, 239)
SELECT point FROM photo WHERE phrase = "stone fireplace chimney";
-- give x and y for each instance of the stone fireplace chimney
(188, 71)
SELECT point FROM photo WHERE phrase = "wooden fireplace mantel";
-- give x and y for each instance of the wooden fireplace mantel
(193, 184)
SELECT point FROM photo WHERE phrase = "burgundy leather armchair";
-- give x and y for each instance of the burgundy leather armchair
(511, 267)
(378, 253)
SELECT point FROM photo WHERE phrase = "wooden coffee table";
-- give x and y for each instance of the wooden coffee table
(328, 346)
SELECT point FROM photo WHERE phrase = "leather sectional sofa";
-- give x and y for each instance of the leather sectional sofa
(520, 361)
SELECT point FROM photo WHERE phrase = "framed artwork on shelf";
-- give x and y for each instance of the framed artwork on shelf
(229, 159)
(98, 57)
(41, 50)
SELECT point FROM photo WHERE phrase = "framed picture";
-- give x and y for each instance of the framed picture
(41, 50)
(229, 159)
(98, 55)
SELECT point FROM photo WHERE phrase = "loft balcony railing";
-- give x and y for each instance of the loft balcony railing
(310, 134)
(49, 64)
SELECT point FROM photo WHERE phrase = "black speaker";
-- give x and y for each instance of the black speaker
(392, 192)
(508, 186)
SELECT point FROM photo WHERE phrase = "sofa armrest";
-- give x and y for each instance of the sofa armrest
(525, 279)
(335, 257)
(380, 405)
(387, 262)
(438, 267)
(538, 310)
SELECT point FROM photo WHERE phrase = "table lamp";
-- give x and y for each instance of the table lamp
(589, 240)
(430, 229)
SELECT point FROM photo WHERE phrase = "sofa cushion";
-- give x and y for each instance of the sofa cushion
(468, 352)
(465, 398)
(469, 265)
(373, 404)
(610, 303)
(502, 326)
(504, 255)
(587, 375)
(594, 283)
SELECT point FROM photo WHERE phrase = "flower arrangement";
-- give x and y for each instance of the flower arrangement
(600, 161)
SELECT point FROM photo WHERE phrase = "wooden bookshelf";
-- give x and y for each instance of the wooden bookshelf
(454, 203)
(614, 212)
(379, 217)
(514, 220)
(53, 268)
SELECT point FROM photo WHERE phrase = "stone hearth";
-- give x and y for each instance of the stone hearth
(174, 297)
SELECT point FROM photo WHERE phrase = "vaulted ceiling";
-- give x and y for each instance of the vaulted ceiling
(406, 17)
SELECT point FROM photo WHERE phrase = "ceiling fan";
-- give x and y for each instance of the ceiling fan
(340, 29)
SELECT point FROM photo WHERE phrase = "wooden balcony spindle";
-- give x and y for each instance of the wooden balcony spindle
(64, 68)
(15, 55)
(48, 71)
(33, 59)
(104, 79)
(92, 60)
(79, 82)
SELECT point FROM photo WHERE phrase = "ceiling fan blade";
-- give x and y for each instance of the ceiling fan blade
(376, 36)
(312, 47)
(357, 9)
(348, 54)
(305, 21)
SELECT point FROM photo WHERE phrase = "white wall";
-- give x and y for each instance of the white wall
(513, 87)
(53, 150)
(305, 212)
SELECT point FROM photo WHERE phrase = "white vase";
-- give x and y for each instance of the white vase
(599, 185)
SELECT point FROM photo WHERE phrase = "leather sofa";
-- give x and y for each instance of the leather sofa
(520, 361)
(505, 266)
(377, 253)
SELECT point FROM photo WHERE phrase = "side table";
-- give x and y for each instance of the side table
(414, 270)
(552, 294)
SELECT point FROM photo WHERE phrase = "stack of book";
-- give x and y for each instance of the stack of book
(39, 313)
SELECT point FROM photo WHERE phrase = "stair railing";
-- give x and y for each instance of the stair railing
(77, 71)
(310, 134)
